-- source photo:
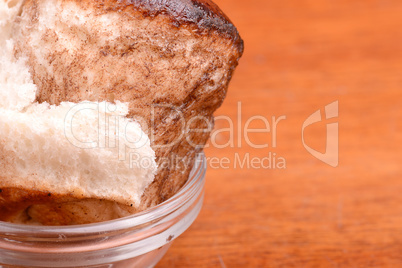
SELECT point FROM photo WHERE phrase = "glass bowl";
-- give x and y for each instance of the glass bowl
(140, 240)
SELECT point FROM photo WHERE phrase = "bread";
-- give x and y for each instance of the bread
(58, 150)
(171, 61)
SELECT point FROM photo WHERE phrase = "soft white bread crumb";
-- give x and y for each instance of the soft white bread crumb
(62, 149)
(17, 89)
(88, 150)
(9, 9)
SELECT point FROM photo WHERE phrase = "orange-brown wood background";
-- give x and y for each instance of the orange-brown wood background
(300, 56)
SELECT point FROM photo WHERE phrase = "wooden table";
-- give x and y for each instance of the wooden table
(301, 56)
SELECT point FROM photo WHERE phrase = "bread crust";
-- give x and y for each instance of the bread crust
(38, 207)
(201, 15)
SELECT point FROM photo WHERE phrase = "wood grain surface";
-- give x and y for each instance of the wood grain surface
(300, 56)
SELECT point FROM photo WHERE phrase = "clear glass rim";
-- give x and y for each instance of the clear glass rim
(153, 214)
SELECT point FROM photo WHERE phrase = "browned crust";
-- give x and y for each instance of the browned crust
(46, 208)
(201, 15)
